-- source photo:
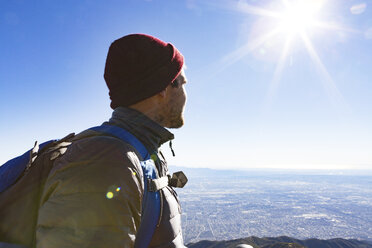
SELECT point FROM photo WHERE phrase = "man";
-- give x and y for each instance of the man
(93, 194)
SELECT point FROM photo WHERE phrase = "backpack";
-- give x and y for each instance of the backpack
(24, 178)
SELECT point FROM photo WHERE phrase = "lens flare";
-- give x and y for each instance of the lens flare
(109, 195)
(358, 8)
(112, 191)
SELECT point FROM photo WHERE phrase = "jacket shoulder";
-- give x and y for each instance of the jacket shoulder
(96, 162)
(98, 182)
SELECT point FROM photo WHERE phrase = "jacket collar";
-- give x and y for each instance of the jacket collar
(150, 133)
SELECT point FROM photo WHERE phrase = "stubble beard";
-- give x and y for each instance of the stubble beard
(176, 121)
(173, 119)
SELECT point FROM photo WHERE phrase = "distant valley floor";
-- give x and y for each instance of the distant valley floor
(226, 205)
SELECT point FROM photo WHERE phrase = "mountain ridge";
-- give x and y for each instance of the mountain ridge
(283, 242)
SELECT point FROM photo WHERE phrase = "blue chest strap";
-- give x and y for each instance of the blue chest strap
(151, 199)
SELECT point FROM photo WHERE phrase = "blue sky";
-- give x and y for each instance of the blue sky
(254, 100)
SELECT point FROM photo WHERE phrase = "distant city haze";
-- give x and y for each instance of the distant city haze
(225, 205)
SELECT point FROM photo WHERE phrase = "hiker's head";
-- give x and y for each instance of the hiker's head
(144, 72)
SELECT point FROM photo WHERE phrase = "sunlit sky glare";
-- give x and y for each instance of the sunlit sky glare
(272, 83)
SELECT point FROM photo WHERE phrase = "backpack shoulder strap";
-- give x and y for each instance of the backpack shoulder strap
(125, 136)
(151, 202)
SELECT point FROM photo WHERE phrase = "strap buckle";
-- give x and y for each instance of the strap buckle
(178, 180)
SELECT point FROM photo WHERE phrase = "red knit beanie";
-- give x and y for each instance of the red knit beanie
(139, 66)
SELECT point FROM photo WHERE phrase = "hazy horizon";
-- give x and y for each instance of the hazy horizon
(335, 172)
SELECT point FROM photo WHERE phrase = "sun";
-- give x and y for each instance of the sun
(278, 25)
(273, 33)
(300, 16)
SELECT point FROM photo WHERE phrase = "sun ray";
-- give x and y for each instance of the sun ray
(335, 27)
(236, 55)
(329, 85)
(278, 72)
(241, 52)
(286, 3)
(244, 7)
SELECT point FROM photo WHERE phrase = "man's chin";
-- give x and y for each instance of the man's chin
(176, 123)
